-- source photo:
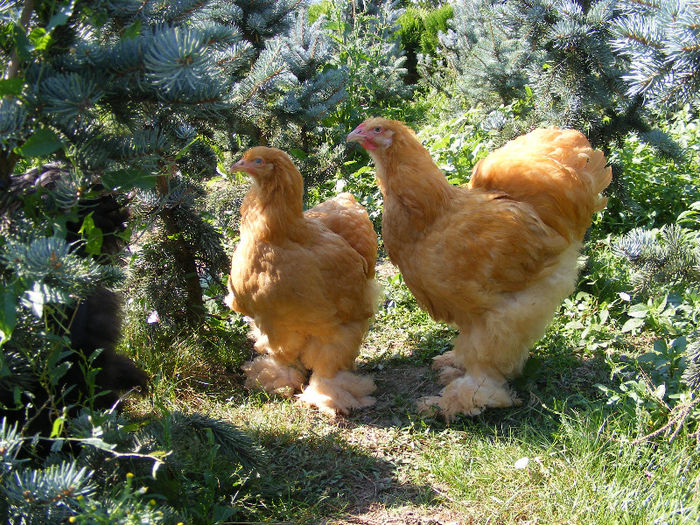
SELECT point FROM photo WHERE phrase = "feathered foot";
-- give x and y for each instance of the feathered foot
(341, 393)
(470, 395)
(448, 370)
(265, 373)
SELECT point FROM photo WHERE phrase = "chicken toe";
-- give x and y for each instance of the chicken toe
(341, 393)
(469, 395)
(266, 373)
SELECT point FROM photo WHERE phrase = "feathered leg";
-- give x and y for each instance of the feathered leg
(471, 383)
(494, 347)
(471, 393)
(343, 392)
(447, 368)
(333, 387)
(266, 373)
(270, 373)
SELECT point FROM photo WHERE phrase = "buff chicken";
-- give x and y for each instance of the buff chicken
(495, 257)
(306, 279)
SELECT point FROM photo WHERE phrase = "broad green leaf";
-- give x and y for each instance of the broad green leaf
(92, 234)
(632, 324)
(41, 143)
(663, 303)
(11, 86)
(298, 153)
(39, 38)
(638, 310)
(129, 178)
(649, 357)
(57, 428)
(660, 346)
(680, 344)
(8, 314)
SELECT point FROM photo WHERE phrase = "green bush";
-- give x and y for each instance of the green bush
(420, 28)
(412, 28)
(434, 21)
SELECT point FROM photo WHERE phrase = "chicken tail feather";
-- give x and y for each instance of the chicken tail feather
(554, 170)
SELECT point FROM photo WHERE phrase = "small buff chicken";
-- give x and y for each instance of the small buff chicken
(307, 281)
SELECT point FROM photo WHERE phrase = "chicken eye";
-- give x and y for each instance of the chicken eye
(377, 129)
(258, 161)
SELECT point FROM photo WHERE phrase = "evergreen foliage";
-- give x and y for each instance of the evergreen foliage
(154, 282)
(316, 87)
(486, 56)
(419, 35)
(129, 98)
(559, 50)
(662, 42)
(668, 256)
(58, 235)
(169, 78)
(435, 22)
(99, 483)
(664, 260)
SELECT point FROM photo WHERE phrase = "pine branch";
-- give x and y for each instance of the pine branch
(267, 68)
(667, 256)
(70, 99)
(233, 442)
(691, 374)
(10, 445)
(31, 491)
(662, 43)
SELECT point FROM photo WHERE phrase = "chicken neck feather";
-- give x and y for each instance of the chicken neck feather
(411, 182)
(273, 209)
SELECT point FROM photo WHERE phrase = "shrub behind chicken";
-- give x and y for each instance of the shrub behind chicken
(307, 281)
(495, 257)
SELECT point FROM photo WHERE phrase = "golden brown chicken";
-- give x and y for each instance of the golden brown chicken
(495, 257)
(307, 281)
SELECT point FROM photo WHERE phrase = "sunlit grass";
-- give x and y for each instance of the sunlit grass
(565, 456)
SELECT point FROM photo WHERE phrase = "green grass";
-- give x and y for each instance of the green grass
(389, 464)
(576, 471)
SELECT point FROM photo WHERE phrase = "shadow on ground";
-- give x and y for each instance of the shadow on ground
(307, 476)
(356, 469)
(553, 382)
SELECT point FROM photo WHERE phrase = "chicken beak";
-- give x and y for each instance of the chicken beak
(356, 135)
(360, 135)
(239, 166)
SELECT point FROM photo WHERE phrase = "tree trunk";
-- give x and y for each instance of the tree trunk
(8, 160)
(184, 260)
